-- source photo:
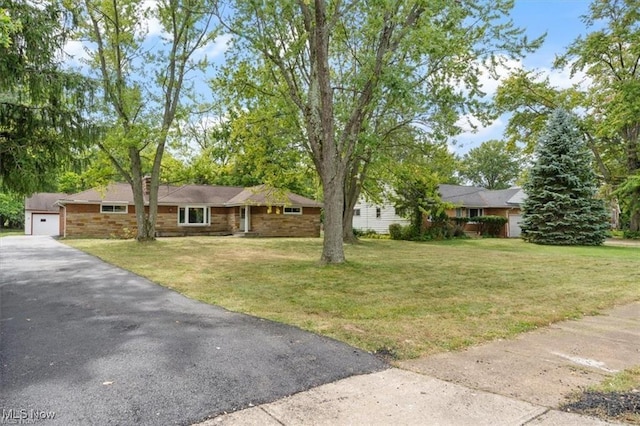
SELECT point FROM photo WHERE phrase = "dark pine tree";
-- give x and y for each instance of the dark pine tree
(561, 208)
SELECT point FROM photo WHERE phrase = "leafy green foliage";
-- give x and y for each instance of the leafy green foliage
(395, 231)
(416, 195)
(11, 211)
(143, 87)
(350, 77)
(491, 226)
(492, 165)
(560, 208)
(609, 105)
(42, 105)
(8, 27)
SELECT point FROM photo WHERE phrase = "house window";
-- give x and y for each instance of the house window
(378, 212)
(458, 212)
(356, 212)
(193, 216)
(475, 212)
(114, 208)
(292, 210)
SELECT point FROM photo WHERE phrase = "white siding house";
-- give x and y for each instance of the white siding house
(377, 217)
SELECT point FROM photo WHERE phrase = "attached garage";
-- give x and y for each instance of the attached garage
(45, 224)
(514, 225)
(42, 214)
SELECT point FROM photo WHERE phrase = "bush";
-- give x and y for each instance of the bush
(439, 230)
(460, 221)
(365, 233)
(631, 235)
(395, 231)
(491, 226)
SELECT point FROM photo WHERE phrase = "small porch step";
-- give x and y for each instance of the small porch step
(249, 234)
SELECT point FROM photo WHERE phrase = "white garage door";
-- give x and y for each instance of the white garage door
(45, 224)
(514, 225)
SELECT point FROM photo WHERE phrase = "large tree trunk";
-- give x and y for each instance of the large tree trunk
(137, 188)
(351, 195)
(631, 134)
(327, 152)
(634, 214)
(332, 247)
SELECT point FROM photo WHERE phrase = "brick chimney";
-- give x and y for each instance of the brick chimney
(146, 185)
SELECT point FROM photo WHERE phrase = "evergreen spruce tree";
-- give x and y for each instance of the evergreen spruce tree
(561, 208)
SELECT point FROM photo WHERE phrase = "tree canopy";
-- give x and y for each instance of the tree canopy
(143, 77)
(348, 75)
(608, 101)
(492, 165)
(42, 105)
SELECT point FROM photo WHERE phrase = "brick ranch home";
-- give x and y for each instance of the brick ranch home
(191, 210)
(473, 201)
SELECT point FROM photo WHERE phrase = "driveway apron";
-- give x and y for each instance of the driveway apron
(95, 344)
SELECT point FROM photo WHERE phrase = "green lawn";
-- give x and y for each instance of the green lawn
(407, 298)
(6, 232)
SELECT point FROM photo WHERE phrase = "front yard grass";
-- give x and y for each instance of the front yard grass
(395, 297)
(8, 232)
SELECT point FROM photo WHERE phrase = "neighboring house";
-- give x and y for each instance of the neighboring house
(191, 210)
(469, 201)
(473, 201)
(42, 215)
(376, 217)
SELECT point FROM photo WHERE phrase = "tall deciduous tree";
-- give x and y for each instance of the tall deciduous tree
(143, 78)
(42, 105)
(351, 72)
(610, 58)
(492, 165)
(561, 208)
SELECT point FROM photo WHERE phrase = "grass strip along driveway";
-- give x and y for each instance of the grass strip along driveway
(398, 298)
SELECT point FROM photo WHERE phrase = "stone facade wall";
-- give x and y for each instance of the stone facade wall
(85, 220)
(272, 224)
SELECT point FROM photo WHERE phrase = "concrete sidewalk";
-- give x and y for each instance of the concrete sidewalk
(509, 382)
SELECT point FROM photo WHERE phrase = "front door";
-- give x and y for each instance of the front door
(245, 219)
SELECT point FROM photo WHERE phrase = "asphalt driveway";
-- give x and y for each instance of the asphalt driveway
(95, 344)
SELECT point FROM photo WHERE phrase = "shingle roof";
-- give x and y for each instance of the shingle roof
(475, 196)
(200, 194)
(114, 192)
(43, 201)
(196, 194)
(262, 195)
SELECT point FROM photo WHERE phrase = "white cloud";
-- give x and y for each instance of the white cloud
(77, 50)
(491, 79)
(151, 23)
(471, 137)
(215, 48)
(562, 79)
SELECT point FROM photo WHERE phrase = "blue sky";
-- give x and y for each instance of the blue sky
(561, 20)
